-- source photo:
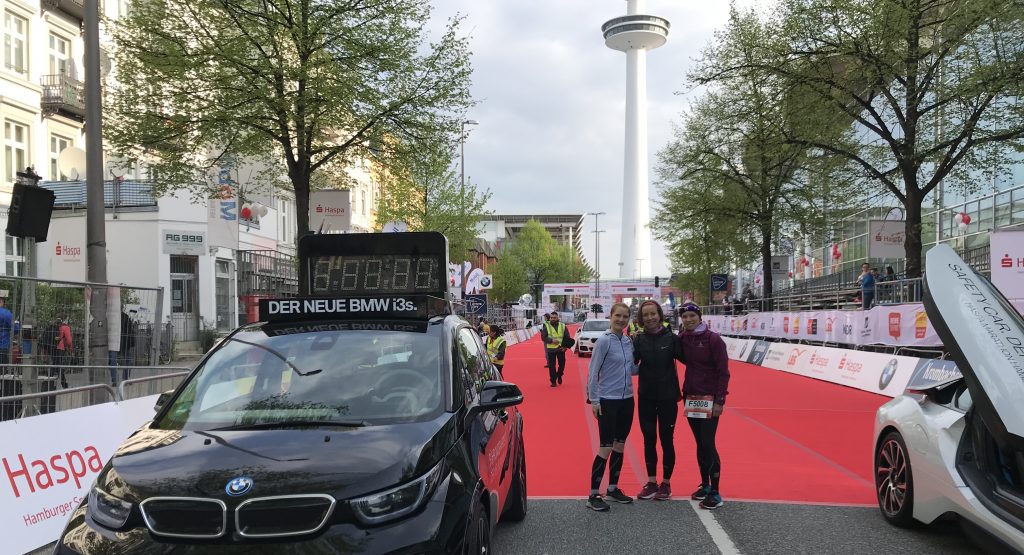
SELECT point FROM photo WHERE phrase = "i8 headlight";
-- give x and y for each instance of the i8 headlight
(108, 510)
(398, 501)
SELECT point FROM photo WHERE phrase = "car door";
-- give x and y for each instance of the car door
(490, 434)
(985, 336)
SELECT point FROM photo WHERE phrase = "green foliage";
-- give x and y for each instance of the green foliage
(533, 259)
(314, 84)
(450, 208)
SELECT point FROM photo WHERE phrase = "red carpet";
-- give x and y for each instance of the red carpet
(782, 438)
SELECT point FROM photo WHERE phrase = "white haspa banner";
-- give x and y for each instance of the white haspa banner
(886, 237)
(50, 463)
(895, 325)
(1008, 263)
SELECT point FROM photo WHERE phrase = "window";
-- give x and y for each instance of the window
(15, 256)
(471, 356)
(15, 43)
(15, 149)
(60, 55)
(363, 196)
(224, 294)
(57, 145)
(283, 208)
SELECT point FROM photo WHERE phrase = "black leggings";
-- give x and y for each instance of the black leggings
(658, 418)
(704, 430)
(555, 356)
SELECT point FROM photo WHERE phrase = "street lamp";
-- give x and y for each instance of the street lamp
(597, 253)
(462, 150)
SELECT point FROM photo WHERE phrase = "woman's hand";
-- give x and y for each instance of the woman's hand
(716, 410)
(597, 410)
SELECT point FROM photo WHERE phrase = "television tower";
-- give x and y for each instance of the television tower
(635, 33)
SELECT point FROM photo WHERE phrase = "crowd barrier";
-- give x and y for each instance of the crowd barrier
(902, 325)
(881, 373)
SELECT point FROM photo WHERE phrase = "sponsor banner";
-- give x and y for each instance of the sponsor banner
(184, 242)
(880, 373)
(48, 471)
(330, 211)
(933, 371)
(757, 351)
(886, 237)
(893, 325)
(737, 348)
(1008, 264)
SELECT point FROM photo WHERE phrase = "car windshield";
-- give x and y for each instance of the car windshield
(596, 325)
(312, 378)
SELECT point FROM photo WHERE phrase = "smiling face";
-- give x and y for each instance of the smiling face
(650, 317)
(619, 318)
(690, 320)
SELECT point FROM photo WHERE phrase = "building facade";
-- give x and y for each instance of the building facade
(567, 229)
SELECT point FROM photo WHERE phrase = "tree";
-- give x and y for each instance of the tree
(318, 84)
(932, 88)
(533, 259)
(427, 194)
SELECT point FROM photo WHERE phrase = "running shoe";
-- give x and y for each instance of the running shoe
(595, 503)
(650, 488)
(664, 492)
(701, 492)
(617, 496)
(712, 501)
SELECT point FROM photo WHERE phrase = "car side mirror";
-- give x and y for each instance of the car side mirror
(498, 395)
(162, 400)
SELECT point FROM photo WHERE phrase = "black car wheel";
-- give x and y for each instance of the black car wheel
(479, 540)
(894, 483)
(516, 509)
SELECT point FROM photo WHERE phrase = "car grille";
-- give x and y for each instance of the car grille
(185, 517)
(285, 515)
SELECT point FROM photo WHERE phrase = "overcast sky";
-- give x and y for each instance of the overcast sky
(552, 99)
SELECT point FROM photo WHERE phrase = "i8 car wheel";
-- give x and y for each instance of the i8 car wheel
(479, 540)
(894, 484)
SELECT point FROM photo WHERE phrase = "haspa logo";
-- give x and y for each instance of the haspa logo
(842, 362)
(330, 210)
(73, 465)
(66, 251)
(794, 354)
(1009, 262)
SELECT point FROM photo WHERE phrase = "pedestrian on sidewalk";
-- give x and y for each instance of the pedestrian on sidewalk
(704, 389)
(610, 394)
(656, 350)
(555, 336)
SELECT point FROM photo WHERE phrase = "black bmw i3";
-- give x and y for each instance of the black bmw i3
(336, 425)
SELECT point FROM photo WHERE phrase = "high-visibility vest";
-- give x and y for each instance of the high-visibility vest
(634, 327)
(554, 335)
(493, 347)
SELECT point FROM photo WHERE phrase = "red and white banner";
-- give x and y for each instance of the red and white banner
(50, 463)
(1008, 263)
(894, 325)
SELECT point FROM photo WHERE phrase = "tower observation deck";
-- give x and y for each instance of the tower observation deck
(635, 33)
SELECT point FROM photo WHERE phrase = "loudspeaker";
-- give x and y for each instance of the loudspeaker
(30, 211)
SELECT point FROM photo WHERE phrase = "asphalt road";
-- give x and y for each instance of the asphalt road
(567, 527)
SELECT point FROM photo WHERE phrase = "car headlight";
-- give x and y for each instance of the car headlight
(398, 501)
(107, 509)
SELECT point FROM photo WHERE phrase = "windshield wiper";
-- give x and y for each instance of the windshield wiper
(294, 424)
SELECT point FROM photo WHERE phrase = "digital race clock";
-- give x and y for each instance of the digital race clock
(375, 263)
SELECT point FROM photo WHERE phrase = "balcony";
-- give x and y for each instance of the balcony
(62, 94)
(117, 194)
(74, 8)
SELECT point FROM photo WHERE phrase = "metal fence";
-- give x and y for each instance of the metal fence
(45, 336)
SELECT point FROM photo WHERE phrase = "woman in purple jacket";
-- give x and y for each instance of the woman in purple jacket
(704, 390)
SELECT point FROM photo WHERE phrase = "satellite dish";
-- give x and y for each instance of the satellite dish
(71, 163)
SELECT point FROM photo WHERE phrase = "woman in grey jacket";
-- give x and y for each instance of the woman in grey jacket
(610, 392)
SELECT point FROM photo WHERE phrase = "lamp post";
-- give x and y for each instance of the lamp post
(597, 253)
(462, 151)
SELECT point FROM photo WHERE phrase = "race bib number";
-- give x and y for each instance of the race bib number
(699, 406)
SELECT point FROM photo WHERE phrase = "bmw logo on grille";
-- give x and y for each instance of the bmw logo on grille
(239, 486)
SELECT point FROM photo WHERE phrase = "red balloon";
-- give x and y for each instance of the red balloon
(247, 212)
(967, 219)
(791, 274)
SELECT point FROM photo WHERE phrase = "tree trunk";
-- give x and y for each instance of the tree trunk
(766, 263)
(912, 241)
(300, 183)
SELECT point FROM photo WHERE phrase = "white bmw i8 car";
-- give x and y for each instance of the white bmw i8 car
(955, 445)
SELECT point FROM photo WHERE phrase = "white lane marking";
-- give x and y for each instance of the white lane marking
(718, 535)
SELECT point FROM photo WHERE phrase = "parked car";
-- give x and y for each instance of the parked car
(956, 446)
(588, 333)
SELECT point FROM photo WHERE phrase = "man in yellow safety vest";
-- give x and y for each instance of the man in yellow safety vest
(554, 334)
(496, 347)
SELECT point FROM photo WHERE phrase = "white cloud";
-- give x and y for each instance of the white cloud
(551, 109)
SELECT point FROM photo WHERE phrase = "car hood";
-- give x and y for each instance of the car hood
(343, 463)
(985, 336)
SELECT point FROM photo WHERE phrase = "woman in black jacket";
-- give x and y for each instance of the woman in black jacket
(656, 349)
